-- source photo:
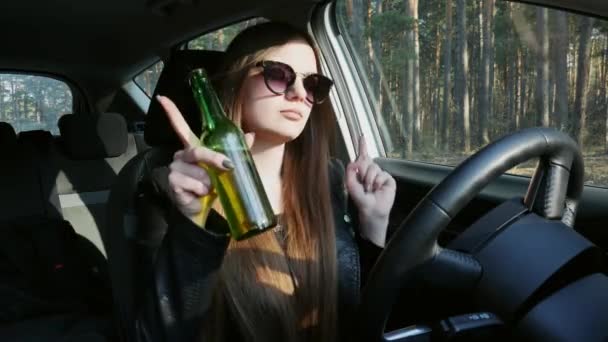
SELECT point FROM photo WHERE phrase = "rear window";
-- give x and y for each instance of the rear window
(219, 39)
(30, 102)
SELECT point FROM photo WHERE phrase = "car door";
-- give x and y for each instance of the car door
(430, 83)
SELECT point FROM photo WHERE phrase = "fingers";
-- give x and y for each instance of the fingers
(200, 154)
(249, 139)
(178, 122)
(186, 191)
(353, 185)
(187, 202)
(370, 175)
(383, 179)
(180, 182)
(362, 155)
(190, 170)
(188, 181)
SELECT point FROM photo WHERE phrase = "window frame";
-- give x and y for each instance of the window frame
(350, 102)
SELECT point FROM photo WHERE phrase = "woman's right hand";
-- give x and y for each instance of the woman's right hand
(189, 181)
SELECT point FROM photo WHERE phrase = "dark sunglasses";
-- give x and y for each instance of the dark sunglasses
(280, 76)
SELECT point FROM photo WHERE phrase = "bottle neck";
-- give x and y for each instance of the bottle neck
(207, 100)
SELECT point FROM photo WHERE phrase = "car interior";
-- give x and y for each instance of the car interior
(474, 253)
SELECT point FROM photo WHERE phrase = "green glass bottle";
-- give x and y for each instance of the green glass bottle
(240, 190)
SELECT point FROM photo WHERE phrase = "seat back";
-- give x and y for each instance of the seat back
(89, 154)
(137, 207)
(26, 189)
(47, 271)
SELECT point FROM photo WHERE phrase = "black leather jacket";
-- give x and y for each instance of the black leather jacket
(189, 258)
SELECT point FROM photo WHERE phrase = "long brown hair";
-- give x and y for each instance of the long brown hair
(272, 290)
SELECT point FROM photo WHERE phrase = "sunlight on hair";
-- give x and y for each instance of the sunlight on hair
(311, 319)
(278, 280)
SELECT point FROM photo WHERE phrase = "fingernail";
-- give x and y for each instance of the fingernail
(158, 98)
(227, 163)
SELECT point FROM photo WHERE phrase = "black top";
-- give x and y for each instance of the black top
(189, 258)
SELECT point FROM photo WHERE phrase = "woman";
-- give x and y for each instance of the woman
(300, 282)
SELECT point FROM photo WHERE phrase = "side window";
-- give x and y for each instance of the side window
(447, 77)
(30, 102)
(148, 78)
(218, 40)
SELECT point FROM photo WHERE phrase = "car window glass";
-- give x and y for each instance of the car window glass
(219, 39)
(148, 78)
(447, 77)
(30, 102)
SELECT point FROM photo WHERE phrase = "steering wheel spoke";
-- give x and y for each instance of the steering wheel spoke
(460, 271)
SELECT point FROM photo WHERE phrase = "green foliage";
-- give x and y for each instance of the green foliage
(514, 61)
(219, 39)
(390, 24)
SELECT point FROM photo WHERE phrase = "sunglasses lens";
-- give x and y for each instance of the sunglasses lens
(278, 77)
(317, 88)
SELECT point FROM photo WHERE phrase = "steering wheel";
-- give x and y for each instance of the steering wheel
(553, 193)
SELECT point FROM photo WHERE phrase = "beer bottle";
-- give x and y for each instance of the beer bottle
(240, 190)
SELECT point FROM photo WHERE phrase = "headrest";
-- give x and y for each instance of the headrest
(7, 134)
(173, 83)
(93, 136)
(38, 136)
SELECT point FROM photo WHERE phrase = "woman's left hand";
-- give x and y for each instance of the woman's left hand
(373, 192)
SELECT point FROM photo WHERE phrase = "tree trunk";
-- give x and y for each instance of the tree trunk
(560, 67)
(606, 132)
(445, 125)
(518, 89)
(573, 78)
(220, 39)
(412, 87)
(599, 55)
(487, 66)
(580, 103)
(475, 46)
(436, 92)
(355, 14)
(358, 24)
(371, 48)
(513, 90)
(408, 99)
(379, 50)
(542, 67)
(460, 81)
(13, 98)
(2, 109)
(523, 103)
(604, 78)
(492, 73)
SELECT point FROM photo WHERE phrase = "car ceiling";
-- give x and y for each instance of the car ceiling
(106, 42)
(109, 41)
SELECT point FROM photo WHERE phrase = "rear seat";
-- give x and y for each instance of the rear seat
(39, 301)
(85, 160)
(25, 192)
